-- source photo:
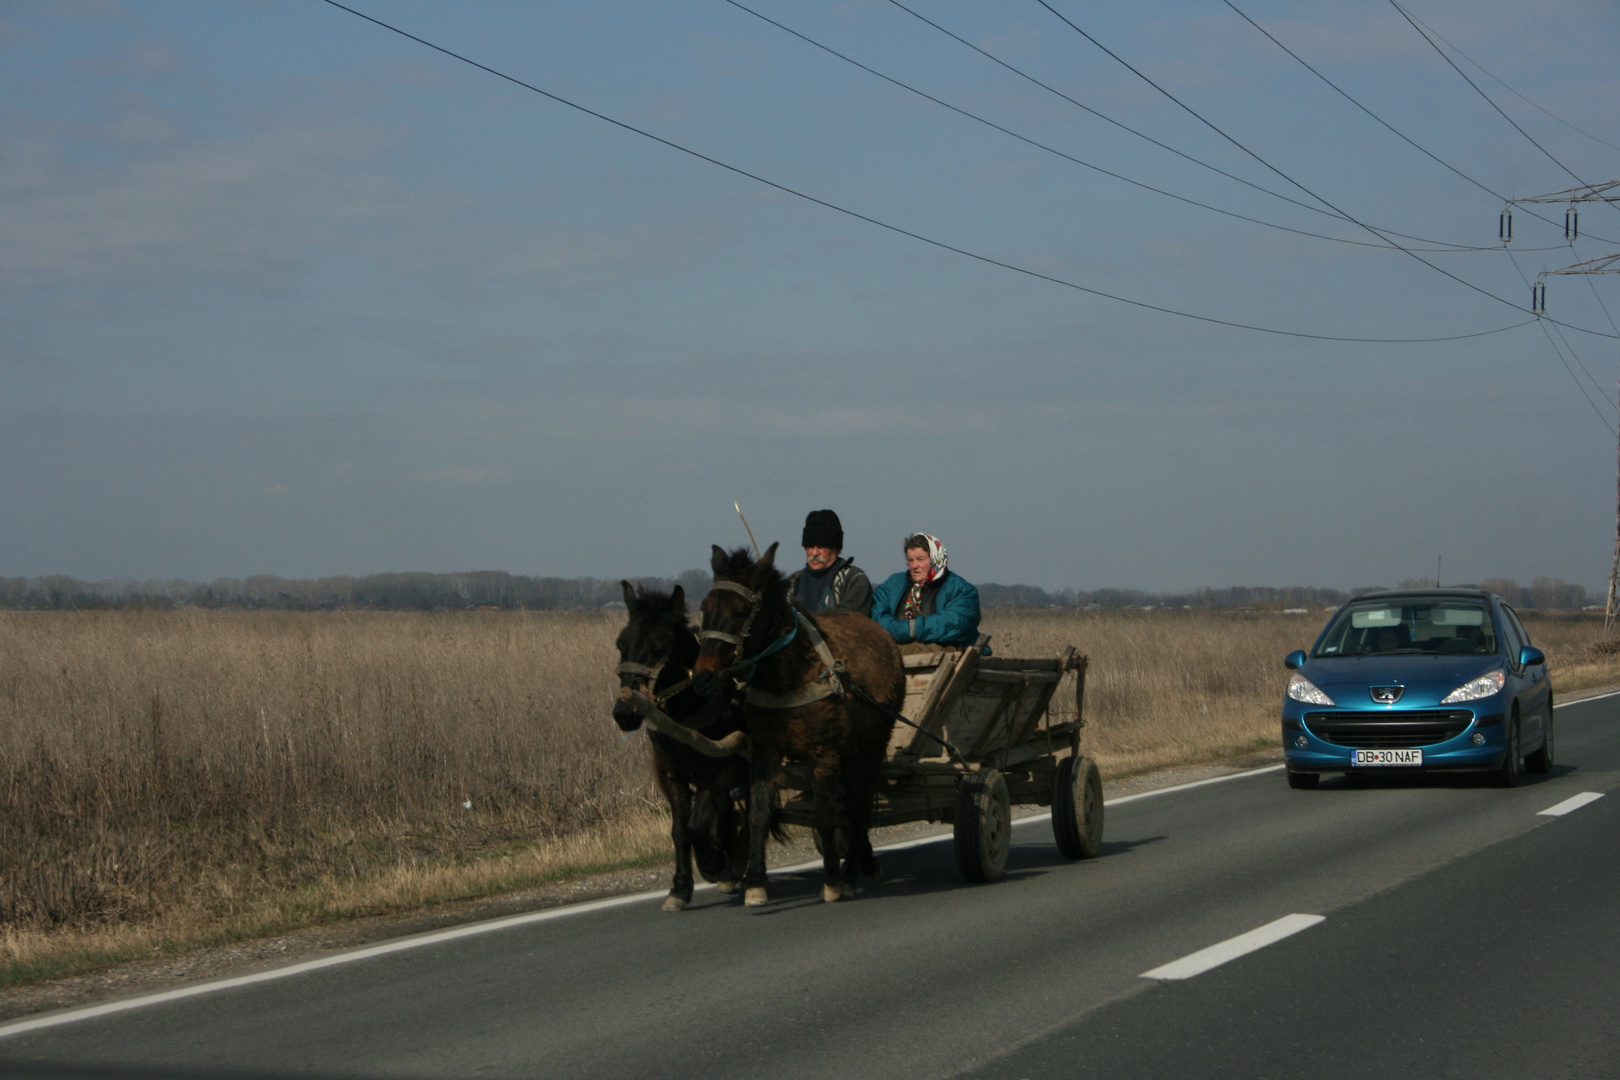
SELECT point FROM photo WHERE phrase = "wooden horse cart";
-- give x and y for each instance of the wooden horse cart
(983, 742)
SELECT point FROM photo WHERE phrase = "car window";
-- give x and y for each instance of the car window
(1409, 625)
(1510, 632)
(1518, 627)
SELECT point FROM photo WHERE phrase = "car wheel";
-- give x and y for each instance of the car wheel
(1511, 770)
(1541, 761)
(1303, 781)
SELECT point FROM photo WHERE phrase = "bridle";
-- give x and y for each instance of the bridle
(745, 666)
(753, 598)
(646, 676)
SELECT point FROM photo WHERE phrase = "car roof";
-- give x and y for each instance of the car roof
(1426, 594)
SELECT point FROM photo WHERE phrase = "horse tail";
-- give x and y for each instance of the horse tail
(778, 827)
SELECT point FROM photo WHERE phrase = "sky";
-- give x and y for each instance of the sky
(285, 292)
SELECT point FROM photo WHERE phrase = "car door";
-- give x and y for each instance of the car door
(1534, 688)
(1538, 695)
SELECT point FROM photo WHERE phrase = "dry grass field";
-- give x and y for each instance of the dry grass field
(169, 779)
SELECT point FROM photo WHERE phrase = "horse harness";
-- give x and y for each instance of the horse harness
(651, 707)
(832, 683)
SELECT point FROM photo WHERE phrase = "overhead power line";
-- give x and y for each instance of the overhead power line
(1229, 138)
(1494, 78)
(1383, 232)
(1488, 100)
(1602, 415)
(807, 39)
(1384, 123)
(1040, 145)
(857, 215)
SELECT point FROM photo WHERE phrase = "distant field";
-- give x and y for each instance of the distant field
(174, 778)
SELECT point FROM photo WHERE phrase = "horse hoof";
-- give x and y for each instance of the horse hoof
(755, 897)
(830, 893)
(727, 887)
(871, 868)
(674, 903)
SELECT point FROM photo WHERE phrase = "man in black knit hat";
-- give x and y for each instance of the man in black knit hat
(828, 583)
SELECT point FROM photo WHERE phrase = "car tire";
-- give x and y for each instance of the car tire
(1541, 762)
(1511, 771)
(1303, 781)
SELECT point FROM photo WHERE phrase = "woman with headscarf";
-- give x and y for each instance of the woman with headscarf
(926, 604)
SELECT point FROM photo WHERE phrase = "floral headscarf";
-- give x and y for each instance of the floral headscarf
(936, 556)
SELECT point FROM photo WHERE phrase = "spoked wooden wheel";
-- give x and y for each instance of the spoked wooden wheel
(1077, 808)
(983, 826)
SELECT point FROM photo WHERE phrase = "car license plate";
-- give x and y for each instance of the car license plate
(1388, 757)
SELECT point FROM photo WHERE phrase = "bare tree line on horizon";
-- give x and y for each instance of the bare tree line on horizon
(423, 591)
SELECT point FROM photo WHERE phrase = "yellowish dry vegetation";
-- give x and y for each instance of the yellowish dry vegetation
(169, 779)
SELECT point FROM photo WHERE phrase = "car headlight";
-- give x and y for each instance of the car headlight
(1487, 684)
(1302, 689)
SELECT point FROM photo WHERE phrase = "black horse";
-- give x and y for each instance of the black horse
(656, 652)
(751, 633)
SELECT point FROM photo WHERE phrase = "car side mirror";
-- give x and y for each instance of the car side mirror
(1530, 656)
(1294, 660)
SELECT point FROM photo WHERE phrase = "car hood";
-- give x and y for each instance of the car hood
(1427, 677)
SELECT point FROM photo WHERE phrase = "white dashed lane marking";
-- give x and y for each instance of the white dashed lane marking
(1574, 802)
(1213, 957)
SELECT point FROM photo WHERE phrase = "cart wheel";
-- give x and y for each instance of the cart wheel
(1077, 808)
(983, 826)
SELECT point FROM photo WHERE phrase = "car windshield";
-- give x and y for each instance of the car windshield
(1378, 627)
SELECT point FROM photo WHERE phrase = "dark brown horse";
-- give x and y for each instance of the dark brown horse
(752, 634)
(656, 652)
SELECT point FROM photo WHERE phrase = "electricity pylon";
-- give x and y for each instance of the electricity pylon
(1603, 264)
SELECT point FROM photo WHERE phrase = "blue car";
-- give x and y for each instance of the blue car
(1432, 679)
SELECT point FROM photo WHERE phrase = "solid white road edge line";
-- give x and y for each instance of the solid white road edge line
(1574, 802)
(417, 941)
(1596, 697)
(89, 1012)
(1204, 959)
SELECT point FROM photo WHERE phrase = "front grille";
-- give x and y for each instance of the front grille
(1388, 730)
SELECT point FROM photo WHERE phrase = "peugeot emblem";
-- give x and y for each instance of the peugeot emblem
(1386, 695)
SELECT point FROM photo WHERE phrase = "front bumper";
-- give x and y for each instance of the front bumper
(1330, 739)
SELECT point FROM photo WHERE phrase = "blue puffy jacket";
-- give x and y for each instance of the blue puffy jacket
(955, 620)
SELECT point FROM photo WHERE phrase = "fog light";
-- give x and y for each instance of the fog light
(1477, 738)
(1302, 742)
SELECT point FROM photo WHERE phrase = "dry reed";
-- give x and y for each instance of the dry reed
(176, 777)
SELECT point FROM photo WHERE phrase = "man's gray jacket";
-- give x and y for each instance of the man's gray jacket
(849, 589)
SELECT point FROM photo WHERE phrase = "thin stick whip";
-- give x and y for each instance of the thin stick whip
(737, 507)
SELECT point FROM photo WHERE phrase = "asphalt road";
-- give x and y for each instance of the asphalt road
(1461, 933)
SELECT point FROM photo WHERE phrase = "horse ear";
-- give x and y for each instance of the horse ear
(677, 601)
(769, 558)
(629, 594)
(717, 562)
